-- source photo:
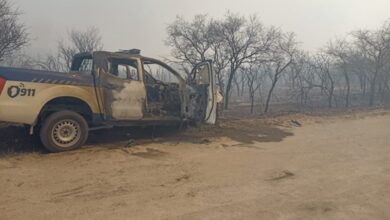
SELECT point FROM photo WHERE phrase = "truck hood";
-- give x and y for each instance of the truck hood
(40, 76)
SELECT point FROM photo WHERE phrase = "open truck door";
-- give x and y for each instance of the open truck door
(202, 77)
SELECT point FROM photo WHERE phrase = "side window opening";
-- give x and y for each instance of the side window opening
(83, 64)
(202, 77)
(124, 69)
(86, 65)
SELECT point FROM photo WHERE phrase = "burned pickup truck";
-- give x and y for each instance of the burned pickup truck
(103, 90)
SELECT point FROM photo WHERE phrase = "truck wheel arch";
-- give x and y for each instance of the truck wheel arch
(66, 103)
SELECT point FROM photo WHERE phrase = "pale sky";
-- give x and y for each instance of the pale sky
(142, 24)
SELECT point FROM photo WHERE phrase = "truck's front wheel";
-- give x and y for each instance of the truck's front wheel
(64, 131)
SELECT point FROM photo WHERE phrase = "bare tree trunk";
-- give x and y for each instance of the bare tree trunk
(252, 102)
(330, 98)
(372, 95)
(372, 91)
(237, 88)
(331, 91)
(347, 96)
(362, 83)
(229, 87)
(274, 81)
(306, 97)
(242, 86)
(301, 98)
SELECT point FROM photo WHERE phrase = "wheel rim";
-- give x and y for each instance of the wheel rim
(66, 133)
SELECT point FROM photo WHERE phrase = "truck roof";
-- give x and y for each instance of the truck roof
(119, 54)
(124, 54)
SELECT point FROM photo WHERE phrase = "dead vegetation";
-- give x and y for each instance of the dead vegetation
(242, 128)
(294, 166)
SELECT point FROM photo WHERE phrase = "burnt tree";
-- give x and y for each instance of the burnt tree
(13, 34)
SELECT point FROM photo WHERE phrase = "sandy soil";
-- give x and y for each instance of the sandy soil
(288, 167)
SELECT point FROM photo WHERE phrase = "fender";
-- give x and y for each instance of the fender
(84, 93)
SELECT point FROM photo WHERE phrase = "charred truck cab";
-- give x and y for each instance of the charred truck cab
(105, 89)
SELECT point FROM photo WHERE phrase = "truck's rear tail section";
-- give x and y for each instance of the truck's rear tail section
(2, 84)
(25, 92)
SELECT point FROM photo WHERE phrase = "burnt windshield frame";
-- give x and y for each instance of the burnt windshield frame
(147, 61)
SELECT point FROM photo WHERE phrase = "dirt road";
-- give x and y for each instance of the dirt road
(328, 168)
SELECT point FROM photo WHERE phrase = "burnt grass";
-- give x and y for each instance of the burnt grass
(15, 139)
(243, 131)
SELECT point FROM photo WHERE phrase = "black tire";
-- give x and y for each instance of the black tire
(59, 127)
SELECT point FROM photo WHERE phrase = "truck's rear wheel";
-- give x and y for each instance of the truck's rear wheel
(64, 131)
